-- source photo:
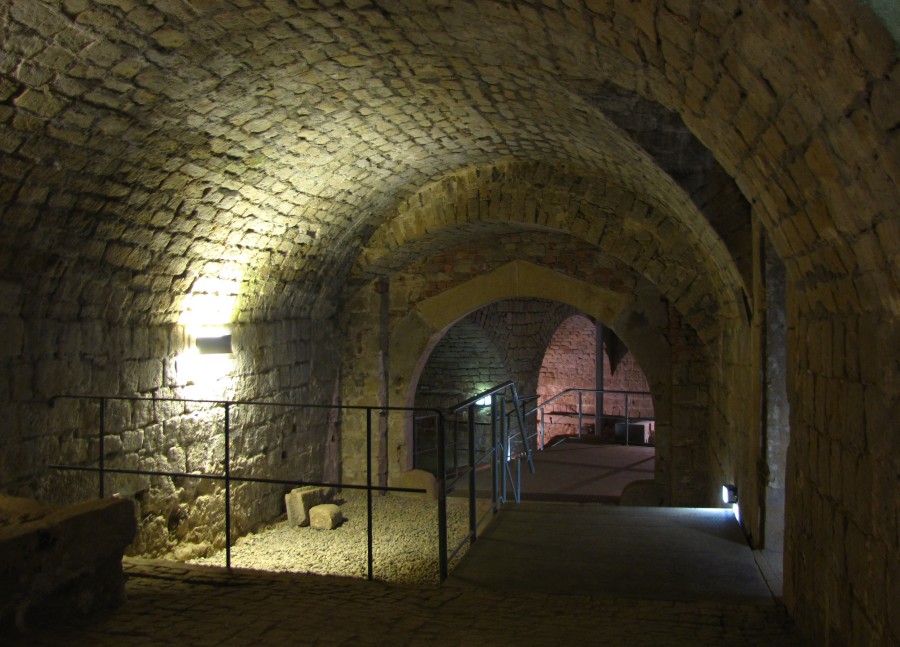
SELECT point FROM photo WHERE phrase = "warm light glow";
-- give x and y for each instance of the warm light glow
(204, 377)
(210, 304)
(205, 369)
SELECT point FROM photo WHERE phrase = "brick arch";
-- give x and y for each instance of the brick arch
(676, 250)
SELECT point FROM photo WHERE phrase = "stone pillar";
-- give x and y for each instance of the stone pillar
(776, 421)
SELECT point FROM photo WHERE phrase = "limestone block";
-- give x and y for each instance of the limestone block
(62, 559)
(419, 479)
(326, 516)
(301, 500)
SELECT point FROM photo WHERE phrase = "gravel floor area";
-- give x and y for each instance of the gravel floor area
(405, 541)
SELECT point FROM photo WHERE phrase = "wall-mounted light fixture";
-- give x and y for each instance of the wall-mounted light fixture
(214, 342)
(205, 367)
(484, 401)
(729, 493)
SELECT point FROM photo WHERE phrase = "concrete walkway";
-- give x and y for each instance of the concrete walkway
(572, 470)
(585, 471)
(683, 554)
(542, 574)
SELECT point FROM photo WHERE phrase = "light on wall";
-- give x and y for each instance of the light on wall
(211, 303)
(206, 368)
(729, 493)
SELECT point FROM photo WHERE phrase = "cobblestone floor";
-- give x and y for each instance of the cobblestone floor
(169, 604)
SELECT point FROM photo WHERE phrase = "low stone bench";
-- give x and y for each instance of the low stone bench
(61, 559)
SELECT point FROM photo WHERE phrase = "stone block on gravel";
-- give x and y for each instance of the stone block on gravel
(418, 479)
(327, 516)
(301, 500)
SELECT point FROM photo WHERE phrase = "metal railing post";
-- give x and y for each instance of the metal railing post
(505, 449)
(102, 457)
(627, 424)
(442, 500)
(228, 486)
(580, 425)
(518, 480)
(455, 443)
(543, 411)
(369, 490)
(495, 452)
(473, 514)
(415, 444)
(521, 422)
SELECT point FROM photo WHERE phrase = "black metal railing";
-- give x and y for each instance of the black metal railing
(580, 410)
(500, 444)
(228, 478)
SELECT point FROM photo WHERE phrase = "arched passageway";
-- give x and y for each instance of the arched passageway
(323, 177)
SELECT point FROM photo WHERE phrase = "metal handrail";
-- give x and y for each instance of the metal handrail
(510, 386)
(595, 391)
(541, 407)
(498, 453)
(228, 477)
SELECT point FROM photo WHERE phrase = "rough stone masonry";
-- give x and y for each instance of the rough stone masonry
(339, 183)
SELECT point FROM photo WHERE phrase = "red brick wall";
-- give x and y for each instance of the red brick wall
(570, 363)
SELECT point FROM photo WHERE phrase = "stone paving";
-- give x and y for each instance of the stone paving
(171, 604)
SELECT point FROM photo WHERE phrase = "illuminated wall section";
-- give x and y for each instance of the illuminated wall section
(205, 369)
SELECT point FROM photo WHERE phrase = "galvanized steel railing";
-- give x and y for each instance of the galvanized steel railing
(580, 412)
(496, 441)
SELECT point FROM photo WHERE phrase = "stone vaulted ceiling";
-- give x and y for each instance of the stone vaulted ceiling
(162, 148)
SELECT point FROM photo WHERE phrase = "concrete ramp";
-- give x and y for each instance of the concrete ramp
(584, 471)
(680, 554)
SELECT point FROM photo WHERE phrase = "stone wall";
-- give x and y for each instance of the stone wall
(152, 433)
(522, 329)
(463, 363)
(841, 529)
(691, 464)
